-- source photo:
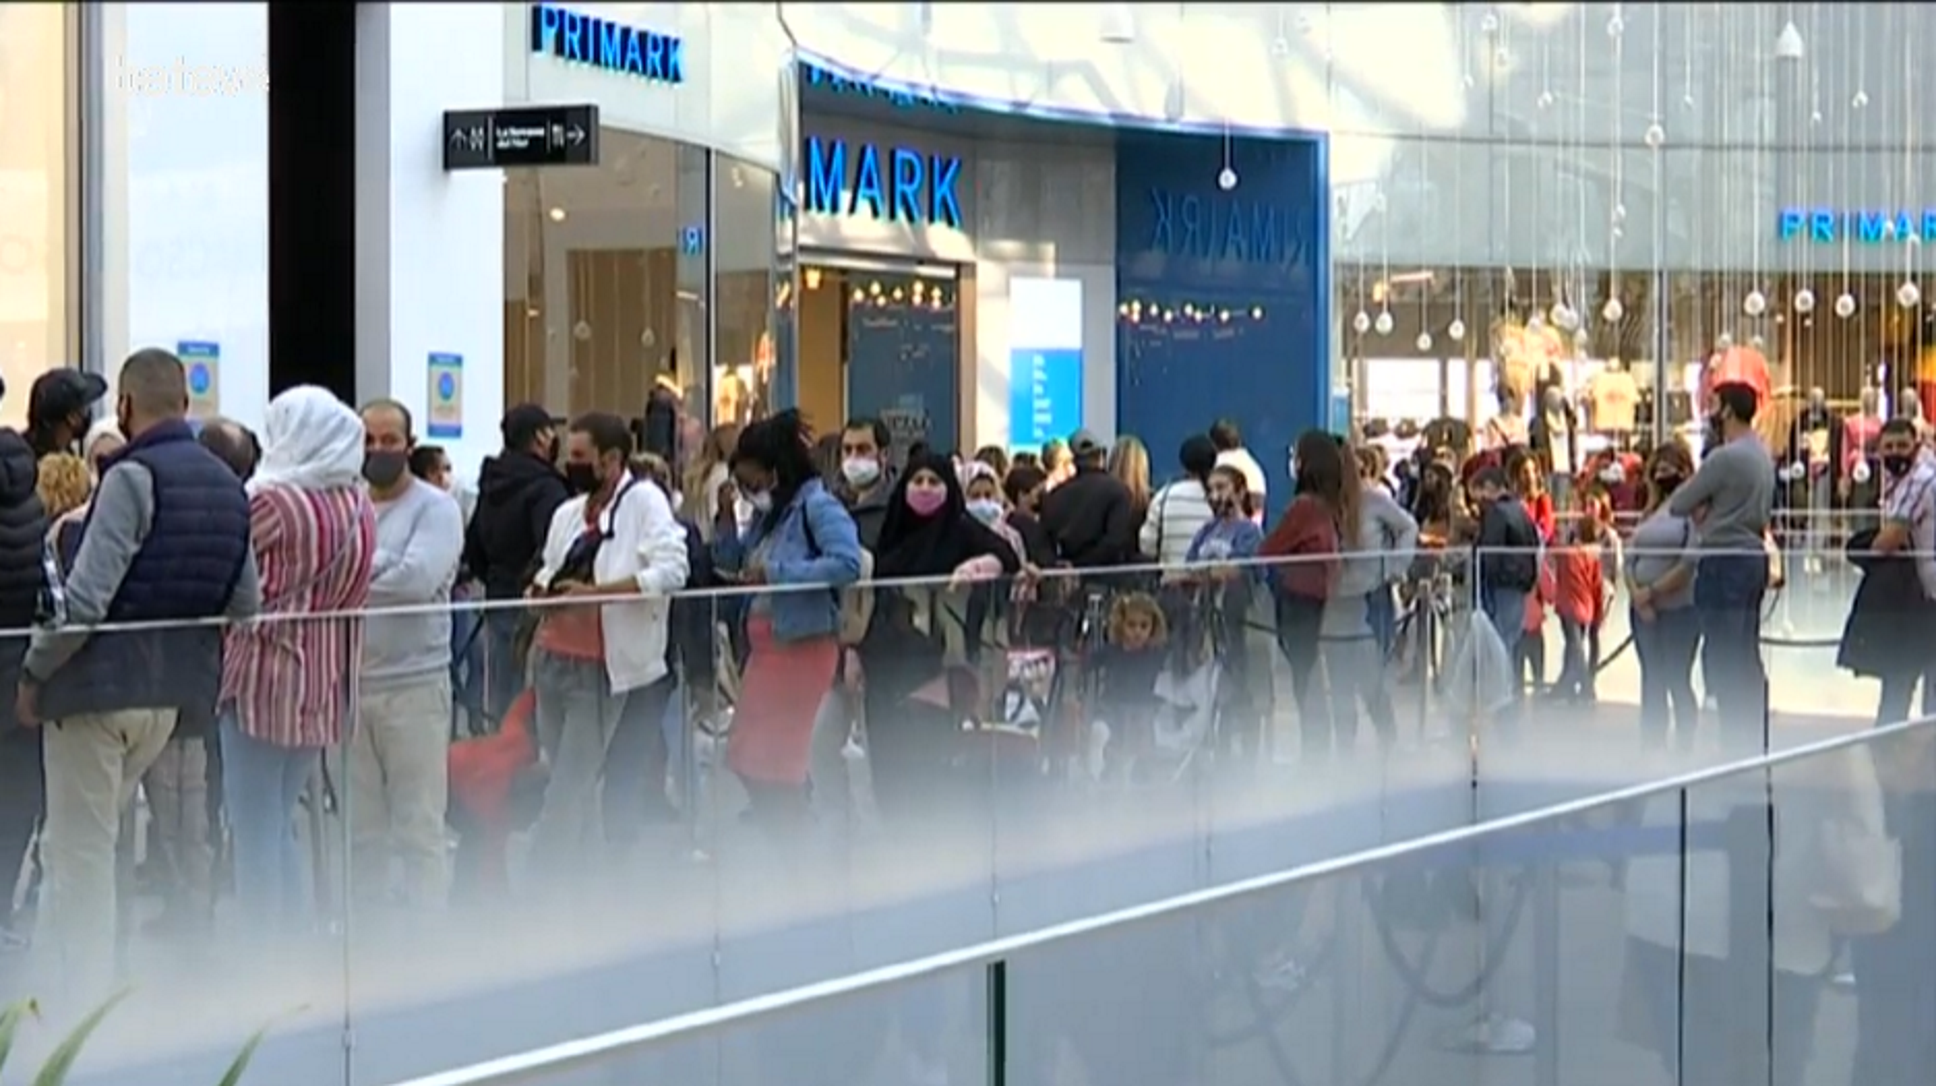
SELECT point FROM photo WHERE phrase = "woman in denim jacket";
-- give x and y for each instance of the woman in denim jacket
(800, 535)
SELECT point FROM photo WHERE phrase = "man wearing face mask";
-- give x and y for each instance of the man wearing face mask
(866, 480)
(600, 640)
(1730, 499)
(518, 490)
(396, 755)
(1908, 528)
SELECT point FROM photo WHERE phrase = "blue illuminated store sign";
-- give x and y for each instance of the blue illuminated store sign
(894, 184)
(601, 43)
(1821, 225)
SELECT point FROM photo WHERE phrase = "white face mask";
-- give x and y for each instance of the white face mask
(861, 470)
(986, 510)
(760, 500)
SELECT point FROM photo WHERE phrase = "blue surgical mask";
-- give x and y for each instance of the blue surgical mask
(986, 510)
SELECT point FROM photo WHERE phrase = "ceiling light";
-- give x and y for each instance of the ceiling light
(1118, 24)
(557, 214)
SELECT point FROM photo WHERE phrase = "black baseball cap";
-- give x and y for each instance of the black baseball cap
(522, 423)
(62, 392)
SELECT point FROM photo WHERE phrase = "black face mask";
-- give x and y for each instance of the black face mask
(1898, 465)
(582, 478)
(383, 467)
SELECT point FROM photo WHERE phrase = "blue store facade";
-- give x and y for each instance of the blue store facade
(995, 278)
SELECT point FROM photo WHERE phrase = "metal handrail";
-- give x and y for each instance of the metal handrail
(526, 1067)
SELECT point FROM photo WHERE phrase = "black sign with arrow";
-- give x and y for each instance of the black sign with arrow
(477, 139)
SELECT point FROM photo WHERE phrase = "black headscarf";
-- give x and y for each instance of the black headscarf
(915, 546)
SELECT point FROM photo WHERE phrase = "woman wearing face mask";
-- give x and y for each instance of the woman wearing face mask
(980, 485)
(1660, 564)
(918, 645)
(801, 535)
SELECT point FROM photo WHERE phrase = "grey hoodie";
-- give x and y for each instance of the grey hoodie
(1387, 540)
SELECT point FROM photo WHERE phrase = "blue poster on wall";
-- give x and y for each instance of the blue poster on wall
(1044, 394)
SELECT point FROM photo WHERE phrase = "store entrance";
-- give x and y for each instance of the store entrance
(882, 340)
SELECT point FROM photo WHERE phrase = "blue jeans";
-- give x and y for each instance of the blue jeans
(1728, 590)
(261, 785)
(467, 685)
(1666, 648)
(503, 672)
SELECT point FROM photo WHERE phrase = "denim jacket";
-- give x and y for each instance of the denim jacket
(814, 542)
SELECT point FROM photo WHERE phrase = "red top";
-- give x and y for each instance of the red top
(1307, 531)
(1578, 593)
(1545, 518)
(575, 632)
(1859, 434)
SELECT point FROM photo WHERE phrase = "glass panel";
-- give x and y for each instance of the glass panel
(743, 373)
(38, 70)
(605, 298)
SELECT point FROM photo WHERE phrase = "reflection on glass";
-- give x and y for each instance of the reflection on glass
(35, 332)
(604, 304)
(743, 370)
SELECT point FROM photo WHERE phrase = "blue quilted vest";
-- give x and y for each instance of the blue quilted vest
(186, 569)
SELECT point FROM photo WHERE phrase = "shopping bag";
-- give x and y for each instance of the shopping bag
(1479, 679)
(1860, 886)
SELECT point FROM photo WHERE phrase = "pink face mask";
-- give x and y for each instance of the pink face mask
(926, 503)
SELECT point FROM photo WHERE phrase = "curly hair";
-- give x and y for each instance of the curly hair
(782, 445)
(65, 483)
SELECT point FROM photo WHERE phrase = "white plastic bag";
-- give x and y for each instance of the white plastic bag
(1479, 678)
(1860, 892)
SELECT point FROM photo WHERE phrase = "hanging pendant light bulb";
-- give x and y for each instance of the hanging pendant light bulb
(1804, 301)
(1654, 136)
(1563, 317)
(1845, 306)
(1456, 330)
(1582, 340)
(1424, 342)
(1489, 23)
(1860, 101)
(1723, 341)
(1361, 323)
(1612, 311)
(1226, 179)
(1755, 304)
(1908, 294)
(1383, 325)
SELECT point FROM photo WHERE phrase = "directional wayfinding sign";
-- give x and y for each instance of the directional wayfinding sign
(477, 139)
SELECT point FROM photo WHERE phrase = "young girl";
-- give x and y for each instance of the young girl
(1130, 664)
(1582, 569)
(1522, 470)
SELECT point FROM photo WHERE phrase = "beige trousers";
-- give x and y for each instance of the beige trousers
(398, 761)
(93, 764)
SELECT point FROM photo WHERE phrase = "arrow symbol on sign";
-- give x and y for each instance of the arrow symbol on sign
(576, 135)
(457, 138)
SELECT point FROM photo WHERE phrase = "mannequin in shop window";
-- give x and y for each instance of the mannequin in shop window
(1860, 481)
(1612, 400)
(1910, 406)
(1814, 448)
(1555, 436)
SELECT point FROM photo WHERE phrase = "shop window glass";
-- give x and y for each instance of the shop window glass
(605, 287)
(37, 69)
(745, 374)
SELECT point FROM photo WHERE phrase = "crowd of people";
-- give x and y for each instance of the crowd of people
(254, 630)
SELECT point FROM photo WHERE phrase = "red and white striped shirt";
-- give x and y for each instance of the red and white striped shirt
(290, 679)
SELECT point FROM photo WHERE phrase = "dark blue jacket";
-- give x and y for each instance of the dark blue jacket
(186, 569)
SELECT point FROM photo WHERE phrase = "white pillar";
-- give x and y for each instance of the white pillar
(429, 244)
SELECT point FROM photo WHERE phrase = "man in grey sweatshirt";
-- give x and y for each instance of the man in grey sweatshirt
(1730, 499)
(398, 753)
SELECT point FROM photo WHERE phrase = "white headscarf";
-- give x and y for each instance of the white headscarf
(311, 441)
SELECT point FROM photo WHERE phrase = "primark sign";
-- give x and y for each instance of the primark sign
(1859, 226)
